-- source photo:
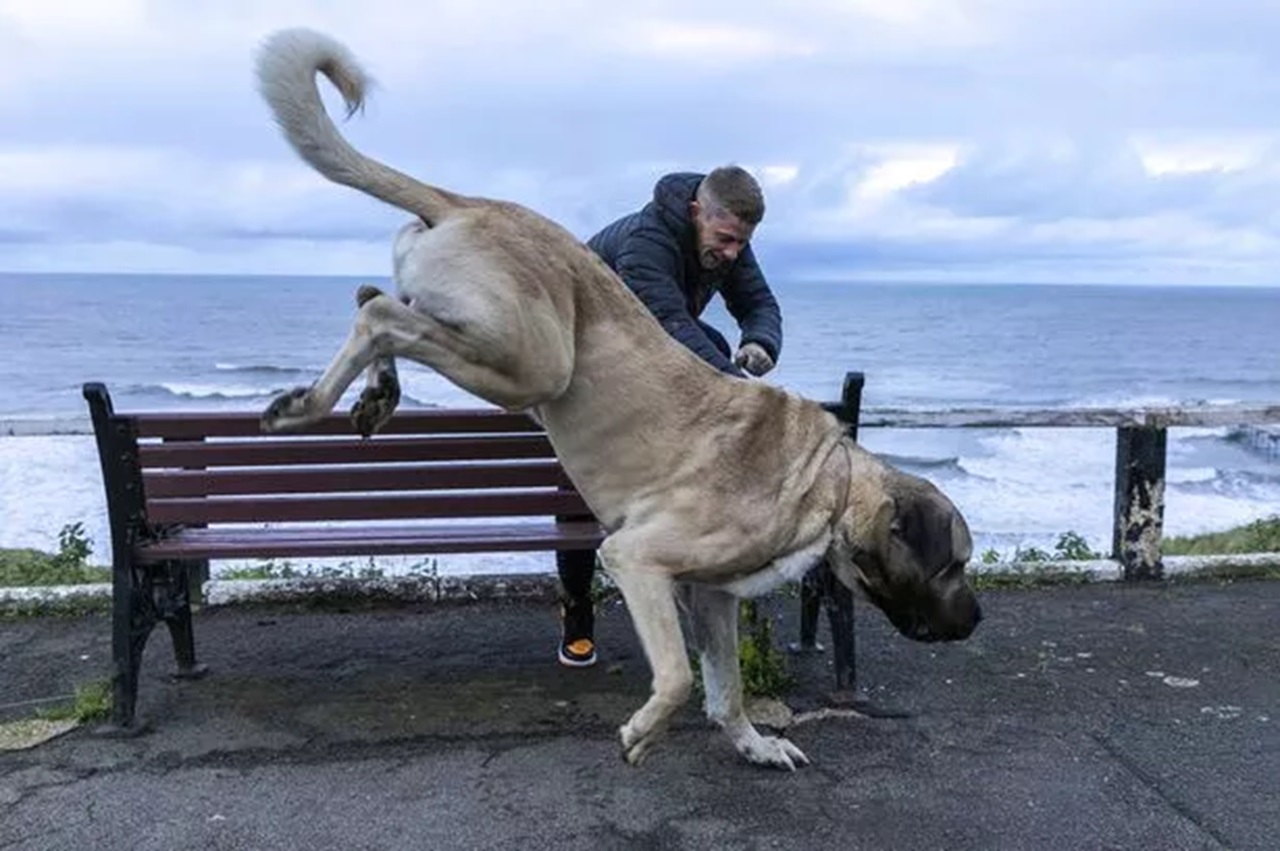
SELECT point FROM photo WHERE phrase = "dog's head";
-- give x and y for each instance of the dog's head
(907, 550)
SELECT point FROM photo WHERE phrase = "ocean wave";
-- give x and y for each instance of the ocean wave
(194, 390)
(1259, 441)
(1246, 484)
(171, 391)
(1262, 438)
(950, 464)
(1122, 401)
(261, 369)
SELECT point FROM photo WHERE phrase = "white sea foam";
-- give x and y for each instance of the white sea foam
(419, 384)
(1126, 400)
(47, 482)
(1190, 475)
(198, 390)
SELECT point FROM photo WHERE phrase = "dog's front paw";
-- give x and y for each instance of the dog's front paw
(771, 752)
(288, 411)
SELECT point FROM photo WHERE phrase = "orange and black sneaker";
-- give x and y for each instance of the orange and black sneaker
(577, 633)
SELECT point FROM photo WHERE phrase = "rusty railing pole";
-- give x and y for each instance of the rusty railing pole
(1137, 534)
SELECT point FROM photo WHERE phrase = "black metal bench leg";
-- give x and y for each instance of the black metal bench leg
(821, 583)
(132, 619)
(810, 607)
(176, 611)
(840, 618)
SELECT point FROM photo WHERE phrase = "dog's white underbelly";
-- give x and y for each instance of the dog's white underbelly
(787, 568)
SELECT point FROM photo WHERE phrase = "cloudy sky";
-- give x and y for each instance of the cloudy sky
(968, 140)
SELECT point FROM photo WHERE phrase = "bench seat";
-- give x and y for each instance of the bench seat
(325, 541)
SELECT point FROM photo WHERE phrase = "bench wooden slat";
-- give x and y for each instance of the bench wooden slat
(191, 426)
(350, 451)
(385, 477)
(284, 509)
(324, 542)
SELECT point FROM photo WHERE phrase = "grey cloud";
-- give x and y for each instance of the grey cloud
(581, 122)
(1099, 179)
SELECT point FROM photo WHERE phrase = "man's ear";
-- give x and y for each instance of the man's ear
(695, 209)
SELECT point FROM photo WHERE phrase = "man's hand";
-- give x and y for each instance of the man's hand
(754, 359)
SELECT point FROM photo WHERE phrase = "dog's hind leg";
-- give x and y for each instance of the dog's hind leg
(482, 358)
(381, 395)
(713, 623)
(650, 597)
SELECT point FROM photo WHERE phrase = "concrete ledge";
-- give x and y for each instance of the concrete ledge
(1049, 572)
(49, 599)
(406, 589)
(318, 590)
(1243, 564)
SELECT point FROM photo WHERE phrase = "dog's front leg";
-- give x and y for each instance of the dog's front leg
(650, 597)
(713, 620)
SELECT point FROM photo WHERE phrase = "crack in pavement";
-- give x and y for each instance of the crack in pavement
(1146, 778)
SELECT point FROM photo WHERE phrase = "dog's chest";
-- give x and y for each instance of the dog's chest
(787, 568)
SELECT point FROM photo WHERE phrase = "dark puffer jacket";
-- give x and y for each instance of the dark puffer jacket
(655, 252)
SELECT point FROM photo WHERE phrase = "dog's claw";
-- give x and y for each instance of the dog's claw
(772, 752)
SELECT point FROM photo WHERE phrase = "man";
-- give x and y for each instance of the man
(691, 241)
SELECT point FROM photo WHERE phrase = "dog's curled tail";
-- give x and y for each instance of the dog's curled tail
(287, 63)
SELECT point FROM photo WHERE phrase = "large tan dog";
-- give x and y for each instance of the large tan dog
(711, 487)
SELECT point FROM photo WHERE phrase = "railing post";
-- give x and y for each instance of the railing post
(1136, 540)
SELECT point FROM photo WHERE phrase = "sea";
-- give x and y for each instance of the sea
(232, 343)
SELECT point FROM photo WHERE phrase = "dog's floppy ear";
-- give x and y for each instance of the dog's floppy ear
(927, 526)
(884, 525)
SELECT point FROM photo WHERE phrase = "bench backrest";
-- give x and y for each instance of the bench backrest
(205, 468)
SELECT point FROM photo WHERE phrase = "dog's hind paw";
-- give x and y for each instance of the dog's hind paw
(771, 752)
(376, 404)
(366, 292)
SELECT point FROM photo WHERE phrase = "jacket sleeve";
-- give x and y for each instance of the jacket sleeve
(650, 266)
(750, 301)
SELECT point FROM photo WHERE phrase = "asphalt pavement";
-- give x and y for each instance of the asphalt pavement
(1085, 717)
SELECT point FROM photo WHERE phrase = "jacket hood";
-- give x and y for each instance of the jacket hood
(672, 194)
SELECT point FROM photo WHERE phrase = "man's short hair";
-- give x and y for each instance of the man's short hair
(733, 189)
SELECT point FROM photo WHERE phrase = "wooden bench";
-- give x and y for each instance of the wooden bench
(186, 487)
